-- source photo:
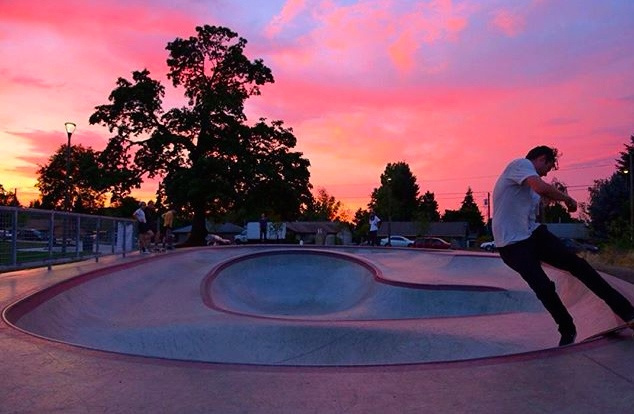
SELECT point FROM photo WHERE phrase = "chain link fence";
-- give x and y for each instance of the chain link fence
(35, 238)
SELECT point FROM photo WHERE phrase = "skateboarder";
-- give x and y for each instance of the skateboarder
(523, 243)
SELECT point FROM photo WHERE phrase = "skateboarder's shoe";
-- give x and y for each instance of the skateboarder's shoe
(567, 338)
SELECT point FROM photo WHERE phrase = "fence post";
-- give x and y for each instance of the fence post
(51, 237)
(97, 239)
(14, 238)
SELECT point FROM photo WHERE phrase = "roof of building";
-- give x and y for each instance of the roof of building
(309, 227)
(569, 230)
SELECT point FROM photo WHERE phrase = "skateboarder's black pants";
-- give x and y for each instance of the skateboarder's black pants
(526, 256)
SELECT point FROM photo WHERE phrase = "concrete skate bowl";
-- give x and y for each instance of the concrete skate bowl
(305, 307)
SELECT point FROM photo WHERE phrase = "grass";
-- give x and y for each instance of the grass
(613, 260)
(613, 256)
(26, 256)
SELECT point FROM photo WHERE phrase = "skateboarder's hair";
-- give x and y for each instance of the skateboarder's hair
(551, 154)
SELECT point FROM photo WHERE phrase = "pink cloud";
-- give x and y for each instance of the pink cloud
(290, 10)
(509, 23)
(46, 143)
(361, 83)
(89, 18)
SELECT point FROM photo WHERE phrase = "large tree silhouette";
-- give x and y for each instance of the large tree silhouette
(212, 162)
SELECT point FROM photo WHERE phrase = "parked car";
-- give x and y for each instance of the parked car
(397, 241)
(578, 247)
(31, 234)
(431, 243)
(488, 246)
(5, 234)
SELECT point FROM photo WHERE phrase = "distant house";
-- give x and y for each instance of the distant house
(318, 232)
(578, 231)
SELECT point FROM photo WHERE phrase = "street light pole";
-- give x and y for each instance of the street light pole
(70, 128)
(389, 212)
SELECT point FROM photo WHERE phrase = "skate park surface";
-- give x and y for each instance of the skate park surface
(304, 329)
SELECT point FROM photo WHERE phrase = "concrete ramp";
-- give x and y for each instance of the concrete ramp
(315, 286)
(298, 306)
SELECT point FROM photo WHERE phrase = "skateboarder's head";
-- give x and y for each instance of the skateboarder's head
(550, 154)
(544, 158)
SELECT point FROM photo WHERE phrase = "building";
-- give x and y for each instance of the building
(318, 232)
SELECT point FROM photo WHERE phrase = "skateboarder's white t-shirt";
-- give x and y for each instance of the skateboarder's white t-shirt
(515, 204)
(374, 223)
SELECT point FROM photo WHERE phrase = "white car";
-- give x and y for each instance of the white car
(397, 241)
(215, 240)
(488, 246)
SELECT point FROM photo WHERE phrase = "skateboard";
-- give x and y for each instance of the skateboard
(610, 332)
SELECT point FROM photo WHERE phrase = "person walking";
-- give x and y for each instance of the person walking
(524, 244)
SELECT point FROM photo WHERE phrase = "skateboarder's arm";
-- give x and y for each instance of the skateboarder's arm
(548, 191)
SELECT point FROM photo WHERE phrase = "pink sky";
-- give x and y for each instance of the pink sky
(453, 88)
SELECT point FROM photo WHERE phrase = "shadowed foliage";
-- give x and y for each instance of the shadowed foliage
(212, 162)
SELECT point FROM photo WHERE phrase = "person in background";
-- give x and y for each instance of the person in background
(152, 224)
(139, 215)
(375, 222)
(524, 243)
(168, 223)
(264, 224)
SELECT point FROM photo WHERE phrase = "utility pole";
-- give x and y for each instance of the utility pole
(487, 203)
(631, 199)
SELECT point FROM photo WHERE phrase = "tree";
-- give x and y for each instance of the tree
(397, 198)
(429, 208)
(609, 205)
(361, 225)
(468, 212)
(554, 211)
(428, 212)
(8, 198)
(623, 162)
(212, 163)
(324, 208)
(123, 207)
(84, 184)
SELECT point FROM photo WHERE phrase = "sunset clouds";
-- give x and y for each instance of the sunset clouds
(453, 88)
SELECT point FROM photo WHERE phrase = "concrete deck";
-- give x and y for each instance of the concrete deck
(363, 330)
